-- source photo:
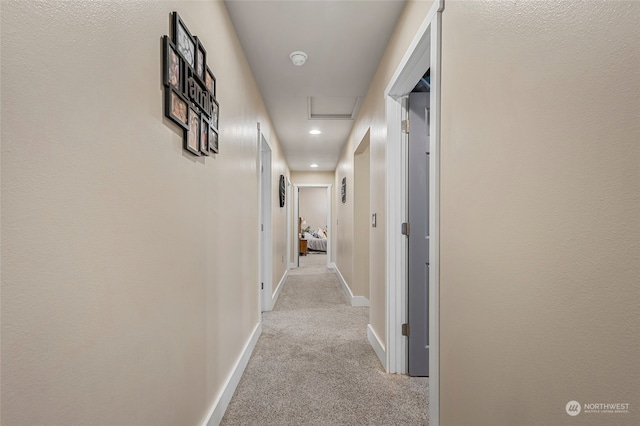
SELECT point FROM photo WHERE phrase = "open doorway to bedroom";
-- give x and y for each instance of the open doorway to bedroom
(312, 208)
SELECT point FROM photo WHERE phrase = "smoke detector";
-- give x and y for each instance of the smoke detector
(298, 58)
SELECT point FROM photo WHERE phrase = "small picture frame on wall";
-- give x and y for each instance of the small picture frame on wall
(215, 112)
(213, 140)
(201, 60)
(193, 133)
(204, 136)
(210, 82)
(177, 108)
(173, 69)
(185, 44)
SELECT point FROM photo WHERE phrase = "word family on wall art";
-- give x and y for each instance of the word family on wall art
(190, 90)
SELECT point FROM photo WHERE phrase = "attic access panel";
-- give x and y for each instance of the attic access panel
(333, 107)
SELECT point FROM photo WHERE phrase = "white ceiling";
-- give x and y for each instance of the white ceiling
(345, 41)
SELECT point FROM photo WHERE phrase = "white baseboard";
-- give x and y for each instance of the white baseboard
(271, 302)
(276, 294)
(220, 404)
(377, 345)
(353, 300)
(359, 301)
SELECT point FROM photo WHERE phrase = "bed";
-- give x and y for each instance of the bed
(316, 241)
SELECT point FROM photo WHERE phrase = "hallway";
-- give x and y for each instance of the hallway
(313, 364)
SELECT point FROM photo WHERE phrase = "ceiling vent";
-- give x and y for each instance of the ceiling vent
(333, 108)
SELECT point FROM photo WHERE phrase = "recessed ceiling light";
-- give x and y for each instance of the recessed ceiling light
(315, 132)
(314, 165)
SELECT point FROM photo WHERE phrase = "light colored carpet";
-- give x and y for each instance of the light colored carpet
(313, 364)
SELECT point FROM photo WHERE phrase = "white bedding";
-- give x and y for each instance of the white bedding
(315, 244)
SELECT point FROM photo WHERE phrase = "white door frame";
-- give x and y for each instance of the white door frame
(296, 215)
(287, 206)
(424, 52)
(265, 257)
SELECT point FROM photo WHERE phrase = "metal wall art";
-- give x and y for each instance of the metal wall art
(282, 190)
(190, 90)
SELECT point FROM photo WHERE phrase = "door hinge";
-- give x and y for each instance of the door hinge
(405, 126)
(405, 228)
(405, 329)
(261, 286)
(262, 227)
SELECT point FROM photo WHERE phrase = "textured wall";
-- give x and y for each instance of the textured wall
(126, 295)
(372, 117)
(315, 178)
(540, 213)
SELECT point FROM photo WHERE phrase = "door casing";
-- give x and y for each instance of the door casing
(296, 215)
(264, 223)
(424, 52)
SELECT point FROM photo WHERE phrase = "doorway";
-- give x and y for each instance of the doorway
(417, 231)
(325, 190)
(362, 218)
(424, 53)
(264, 230)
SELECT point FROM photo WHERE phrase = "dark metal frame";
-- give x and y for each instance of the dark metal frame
(179, 23)
(195, 150)
(194, 104)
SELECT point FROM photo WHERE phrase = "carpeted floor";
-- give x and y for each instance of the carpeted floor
(313, 364)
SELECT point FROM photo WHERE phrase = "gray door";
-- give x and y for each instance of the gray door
(418, 234)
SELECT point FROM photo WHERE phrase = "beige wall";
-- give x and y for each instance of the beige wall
(313, 207)
(372, 117)
(362, 219)
(540, 211)
(126, 296)
(316, 178)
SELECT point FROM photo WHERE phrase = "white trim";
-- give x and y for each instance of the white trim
(423, 52)
(395, 240)
(276, 294)
(412, 66)
(345, 287)
(329, 187)
(359, 301)
(265, 236)
(296, 222)
(289, 221)
(434, 239)
(376, 344)
(353, 300)
(220, 404)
